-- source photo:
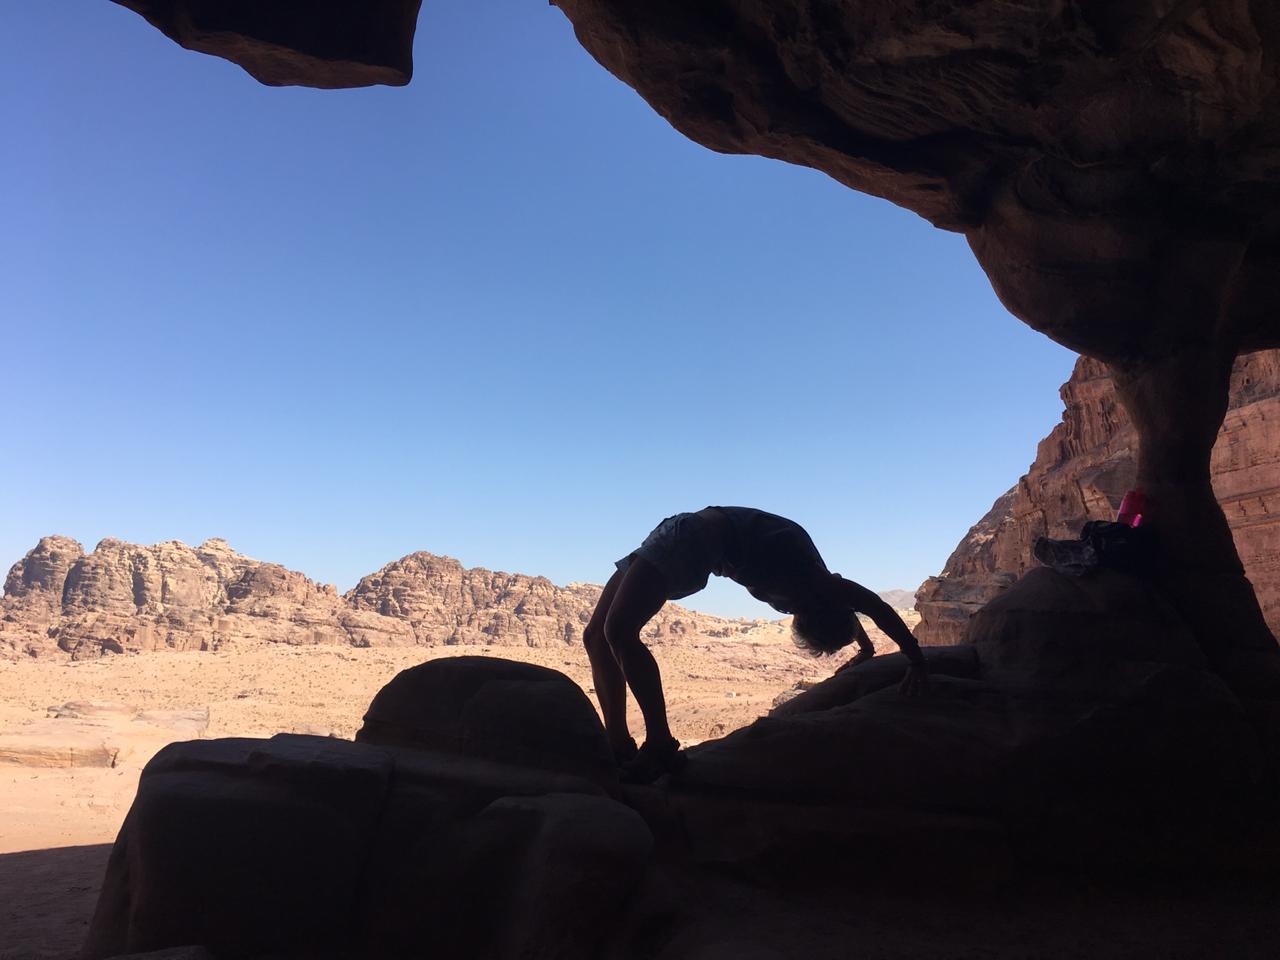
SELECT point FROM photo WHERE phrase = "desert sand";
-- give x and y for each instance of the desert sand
(712, 687)
(59, 821)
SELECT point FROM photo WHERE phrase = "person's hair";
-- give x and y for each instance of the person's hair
(824, 629)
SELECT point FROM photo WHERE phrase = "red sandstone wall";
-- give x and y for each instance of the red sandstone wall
(1082, 469)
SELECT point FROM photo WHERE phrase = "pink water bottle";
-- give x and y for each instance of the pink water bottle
(1132, 507)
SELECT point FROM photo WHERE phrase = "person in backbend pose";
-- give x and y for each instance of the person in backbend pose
(776, 561)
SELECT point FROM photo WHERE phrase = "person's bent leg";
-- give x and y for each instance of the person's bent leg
(606, 673)
(640, 595)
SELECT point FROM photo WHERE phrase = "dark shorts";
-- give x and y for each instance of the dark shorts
(685, 551)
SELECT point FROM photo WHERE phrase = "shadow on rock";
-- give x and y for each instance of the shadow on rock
(1078, 733)
(313, 846)
(1080, 727)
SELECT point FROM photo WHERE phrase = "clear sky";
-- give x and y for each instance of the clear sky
(505, 313)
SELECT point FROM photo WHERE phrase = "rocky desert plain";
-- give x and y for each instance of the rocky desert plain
(108, 655)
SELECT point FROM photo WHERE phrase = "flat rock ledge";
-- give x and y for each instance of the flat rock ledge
(1080, 730)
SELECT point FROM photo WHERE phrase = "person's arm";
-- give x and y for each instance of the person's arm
(866, 649)
(862, 600)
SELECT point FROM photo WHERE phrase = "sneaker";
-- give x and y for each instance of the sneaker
(653, 760)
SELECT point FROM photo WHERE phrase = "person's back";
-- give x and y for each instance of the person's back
(768, 554)
(773, 557)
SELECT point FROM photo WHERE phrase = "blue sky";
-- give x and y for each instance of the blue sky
(505, 313)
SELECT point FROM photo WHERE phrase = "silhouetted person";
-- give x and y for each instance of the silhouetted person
(776, 561)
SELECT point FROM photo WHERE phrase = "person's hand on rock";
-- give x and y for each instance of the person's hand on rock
(916, 682)
(862, 656)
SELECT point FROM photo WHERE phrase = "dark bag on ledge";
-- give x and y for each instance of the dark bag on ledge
(1102, 543)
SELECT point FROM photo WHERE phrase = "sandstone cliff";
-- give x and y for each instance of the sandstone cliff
(125, 597)
(1081, 471)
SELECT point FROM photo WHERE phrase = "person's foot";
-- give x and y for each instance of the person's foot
(625, 751)
(654, 759)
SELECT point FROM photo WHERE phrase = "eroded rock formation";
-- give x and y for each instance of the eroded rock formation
(169, 596)
(443, 602)
(123, 596)
(1082, 470)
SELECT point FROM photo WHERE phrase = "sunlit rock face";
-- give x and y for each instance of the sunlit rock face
(127, 597)
(1082, 470)
(313, 43)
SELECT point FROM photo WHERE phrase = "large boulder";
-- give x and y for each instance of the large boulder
(314, 846)
(492, 709)
(526, 876)
(1050, 630)
(1081, 727)
(246, 846)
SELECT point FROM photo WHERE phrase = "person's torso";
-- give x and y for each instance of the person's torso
(768, 554)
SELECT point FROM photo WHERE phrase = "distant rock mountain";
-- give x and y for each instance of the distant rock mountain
(1081, 471)
(898, 599)
(124, 597)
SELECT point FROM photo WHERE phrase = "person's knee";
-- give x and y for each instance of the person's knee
(593, 637)
(622, 636)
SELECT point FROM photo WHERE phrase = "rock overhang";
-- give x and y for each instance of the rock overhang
(330, 44)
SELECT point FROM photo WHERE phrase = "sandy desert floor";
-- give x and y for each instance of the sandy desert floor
(712, 687)
(58, 823)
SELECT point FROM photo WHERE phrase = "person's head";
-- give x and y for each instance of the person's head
(822, 623)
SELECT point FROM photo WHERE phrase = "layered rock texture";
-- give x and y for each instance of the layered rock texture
(1082, 470)
(126, 597)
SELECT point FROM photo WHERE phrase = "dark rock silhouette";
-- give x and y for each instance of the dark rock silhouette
(1082, 730)
(492, 709)
(1082, 470)
(326, 847)
(314, 43)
